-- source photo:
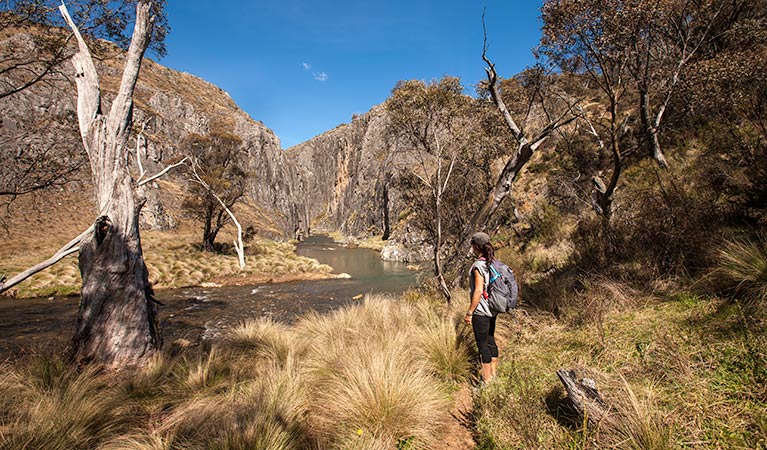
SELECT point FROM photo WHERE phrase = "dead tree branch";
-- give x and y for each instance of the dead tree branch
(71, 247)
(525, 149)
(162, 172)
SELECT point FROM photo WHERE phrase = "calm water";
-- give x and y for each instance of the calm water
(202, 313)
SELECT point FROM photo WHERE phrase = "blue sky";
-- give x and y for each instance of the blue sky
(304, 67)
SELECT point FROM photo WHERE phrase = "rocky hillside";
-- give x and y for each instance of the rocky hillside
(341, 180)
(347, 181)
(171, 105)
(344, 172)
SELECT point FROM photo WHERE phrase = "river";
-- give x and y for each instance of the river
(204, 313)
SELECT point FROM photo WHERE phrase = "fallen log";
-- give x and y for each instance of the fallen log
(584, 395)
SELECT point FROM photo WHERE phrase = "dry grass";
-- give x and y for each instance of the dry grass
(380, 392)
(743, 266)
(639, 424)
(173, 260)
(48, 406)
(371, 387)
(678, 373)
(172, 257)
(345, 380)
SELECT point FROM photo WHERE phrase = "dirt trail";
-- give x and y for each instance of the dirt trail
(458, 435)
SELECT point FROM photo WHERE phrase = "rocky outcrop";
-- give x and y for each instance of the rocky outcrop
(178, 105)
(342, 176)
(347, 180)
(407, 247)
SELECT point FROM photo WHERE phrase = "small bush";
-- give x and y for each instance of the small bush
(546, 223)
(662, 226)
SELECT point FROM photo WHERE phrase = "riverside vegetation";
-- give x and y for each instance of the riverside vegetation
(176, 260)
(679, 368)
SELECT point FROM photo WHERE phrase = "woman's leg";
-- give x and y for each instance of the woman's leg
(481, 327)
(493, 348)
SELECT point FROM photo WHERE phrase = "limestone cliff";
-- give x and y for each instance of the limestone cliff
(347, 181)
(342, 178)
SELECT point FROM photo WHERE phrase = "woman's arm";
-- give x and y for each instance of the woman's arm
(479, 288)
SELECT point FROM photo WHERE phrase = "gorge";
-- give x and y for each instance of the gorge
(340, 180)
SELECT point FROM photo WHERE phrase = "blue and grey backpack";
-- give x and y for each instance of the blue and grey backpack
(502, 288)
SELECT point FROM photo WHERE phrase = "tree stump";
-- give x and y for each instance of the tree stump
(583, 393)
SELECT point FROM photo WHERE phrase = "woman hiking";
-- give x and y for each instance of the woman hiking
(479, 314)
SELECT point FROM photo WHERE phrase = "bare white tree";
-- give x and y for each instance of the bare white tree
(117, 321)
(238, 246)
(527, 144)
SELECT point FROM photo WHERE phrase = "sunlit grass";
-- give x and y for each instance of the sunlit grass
(743, 265)
(677, 373)
(349, 379)
(174, 260)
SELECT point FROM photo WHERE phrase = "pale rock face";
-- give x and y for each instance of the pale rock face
(344, 179)
(347, 182)
(395, 251)
(154, 216)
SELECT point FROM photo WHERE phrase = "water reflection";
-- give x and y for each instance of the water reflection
(369, 273)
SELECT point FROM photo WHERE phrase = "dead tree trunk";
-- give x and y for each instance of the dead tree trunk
(602, 199)
(651, 127)
(438, 249)
(584, 395)
(238, 245)
(117, 320)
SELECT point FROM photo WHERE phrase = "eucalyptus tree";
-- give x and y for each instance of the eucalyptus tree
(635, 52)
(637, 46)
(218, 182)
(95, 19)
(428, 119)
(542, 110)
(34, 48)
(577, 39)
(117, 320)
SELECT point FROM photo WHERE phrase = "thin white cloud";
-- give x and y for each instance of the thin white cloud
(319, 76)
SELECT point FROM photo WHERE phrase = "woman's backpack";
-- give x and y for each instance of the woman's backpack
(502, 289)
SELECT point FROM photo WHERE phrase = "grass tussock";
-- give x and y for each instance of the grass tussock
(639, 423)
(742, 264)
(374, 375)
(48, 406)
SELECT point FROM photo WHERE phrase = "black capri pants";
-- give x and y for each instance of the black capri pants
(484, 333)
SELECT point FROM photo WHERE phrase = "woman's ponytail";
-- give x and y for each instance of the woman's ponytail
(488, 253)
